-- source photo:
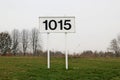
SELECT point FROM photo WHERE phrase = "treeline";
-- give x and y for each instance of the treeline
(20, 42)
(93, 54)
(87, 53)
(30, 43)
(112, 51)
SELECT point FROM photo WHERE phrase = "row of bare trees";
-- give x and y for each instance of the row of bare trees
(113, 50)
(20, 42)
(24, 42)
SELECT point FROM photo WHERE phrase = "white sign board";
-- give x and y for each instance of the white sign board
(57, 24)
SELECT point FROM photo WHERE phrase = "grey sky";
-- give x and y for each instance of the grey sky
(97, 21)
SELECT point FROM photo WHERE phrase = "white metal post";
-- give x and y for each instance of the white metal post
(66, 53)
(48, 52)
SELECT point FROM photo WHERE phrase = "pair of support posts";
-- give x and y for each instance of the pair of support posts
(48, 52)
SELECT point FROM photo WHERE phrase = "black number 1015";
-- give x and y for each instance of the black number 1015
(52, 24)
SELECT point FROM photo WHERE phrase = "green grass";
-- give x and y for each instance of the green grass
(35, 68)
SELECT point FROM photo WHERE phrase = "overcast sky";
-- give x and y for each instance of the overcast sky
(97, 21)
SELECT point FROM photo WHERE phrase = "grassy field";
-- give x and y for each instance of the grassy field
(35, 68)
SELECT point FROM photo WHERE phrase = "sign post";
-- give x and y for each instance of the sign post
(48, 51)
(66, 53)
(57, 25)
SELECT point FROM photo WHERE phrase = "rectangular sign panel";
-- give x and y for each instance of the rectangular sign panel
(57, 24)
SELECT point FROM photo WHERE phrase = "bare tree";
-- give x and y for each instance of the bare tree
(5, 42)
(15, 41)
(118, 39)
(115, 47)
(25, 40)
(35, 40)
